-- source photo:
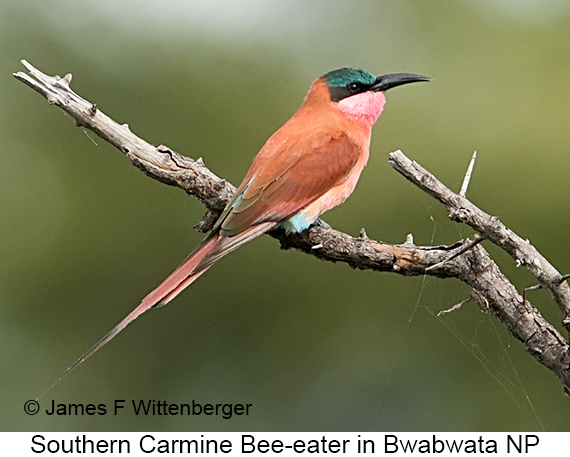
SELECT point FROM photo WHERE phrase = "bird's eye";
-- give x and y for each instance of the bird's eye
(353, 87)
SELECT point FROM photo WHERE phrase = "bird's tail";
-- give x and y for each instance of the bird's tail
(211, 249)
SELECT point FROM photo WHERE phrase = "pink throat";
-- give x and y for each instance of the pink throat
(365, 107)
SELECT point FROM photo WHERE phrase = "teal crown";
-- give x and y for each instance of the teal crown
(344, 76)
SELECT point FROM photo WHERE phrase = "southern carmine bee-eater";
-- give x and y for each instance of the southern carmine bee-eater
(308, 166)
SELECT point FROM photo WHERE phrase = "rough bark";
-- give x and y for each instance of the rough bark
(466, 260)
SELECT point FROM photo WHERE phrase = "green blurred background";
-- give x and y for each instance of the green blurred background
(313, 346)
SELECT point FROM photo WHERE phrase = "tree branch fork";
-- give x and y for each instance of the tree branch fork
(466, 260)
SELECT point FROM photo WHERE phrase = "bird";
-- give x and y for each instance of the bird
(308, 166)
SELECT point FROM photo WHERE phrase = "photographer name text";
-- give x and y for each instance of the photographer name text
(149, 408)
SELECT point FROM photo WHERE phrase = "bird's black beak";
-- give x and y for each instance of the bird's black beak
(386, 82)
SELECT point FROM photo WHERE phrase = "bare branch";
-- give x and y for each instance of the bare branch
(454, 307)
(468, 173)
(159, 162)
(467, 261)
(470, 244)
(490, 227)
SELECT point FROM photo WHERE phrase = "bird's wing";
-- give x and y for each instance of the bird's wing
(284, 180)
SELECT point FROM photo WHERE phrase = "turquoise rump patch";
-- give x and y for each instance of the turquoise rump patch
(297, 223)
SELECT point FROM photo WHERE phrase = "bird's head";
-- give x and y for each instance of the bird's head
(359, 94)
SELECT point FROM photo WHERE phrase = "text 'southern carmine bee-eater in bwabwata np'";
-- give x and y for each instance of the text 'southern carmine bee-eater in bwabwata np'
(308, 166)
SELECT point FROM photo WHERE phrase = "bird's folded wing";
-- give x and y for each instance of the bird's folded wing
(298, 173)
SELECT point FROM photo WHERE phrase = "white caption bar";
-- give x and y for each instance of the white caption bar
(285, 444)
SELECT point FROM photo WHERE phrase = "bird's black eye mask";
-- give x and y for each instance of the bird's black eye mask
(353, 88)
